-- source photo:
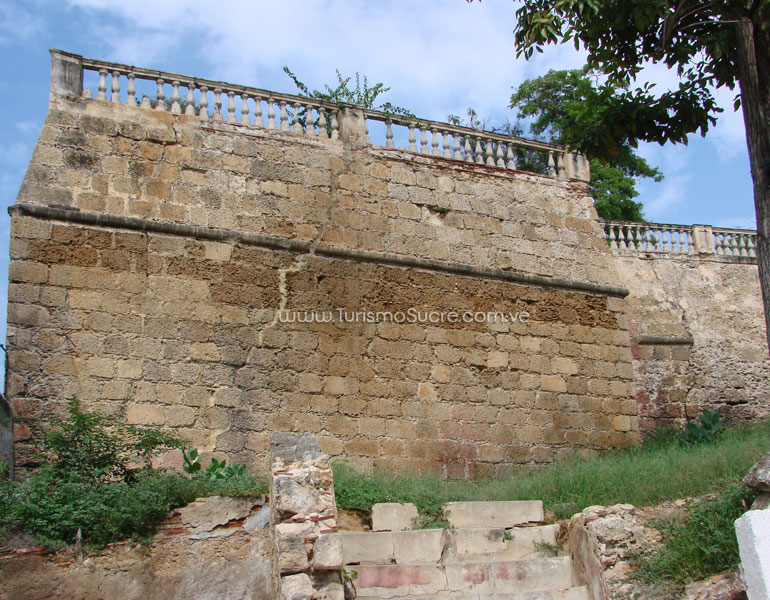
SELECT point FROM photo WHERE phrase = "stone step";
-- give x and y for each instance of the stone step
(501, 544)
(401, 581)
(575, 593)
(493, 514)
(429, 545)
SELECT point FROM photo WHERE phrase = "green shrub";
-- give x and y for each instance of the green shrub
(95, 447)
(98, 478)
(705, 432)
(701, 544)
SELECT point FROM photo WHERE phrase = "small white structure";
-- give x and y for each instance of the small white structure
(753, 531)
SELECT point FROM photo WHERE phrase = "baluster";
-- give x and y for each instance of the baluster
(231, 107)
(297, 123)
(189, 101)
(160, 96)
(510, 156)
(322, 123)
(434, 143)
(271, 114)
(245, 119)
(551, 164)
(479, 152)
(720, 244)
(499, 153)
(468, 150)
(309, 121)
(204, 112)
(743, 246)
(389, 134)
(447, 153)
(258, 122)
(176, 99)
(335, 126)
(131, 90)
(751, 243)
(366, 127)
(635, 242)
(676, 240)
(560, 166)
(489, 153)
(611, 237)
(456, 152)
(412, 139)
(622, 238)
(102, 86)
(115, 99)
(423, 141)
(217, 104)
(284, 116)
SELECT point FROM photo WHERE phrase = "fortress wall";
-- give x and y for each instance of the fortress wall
(150, 254)
(698, 338)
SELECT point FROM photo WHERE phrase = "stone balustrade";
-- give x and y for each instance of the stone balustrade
(626, 237)
(74, 76)
(479, 147)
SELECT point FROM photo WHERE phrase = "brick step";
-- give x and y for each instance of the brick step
(575, 593)
(401, 581)
(429, 545)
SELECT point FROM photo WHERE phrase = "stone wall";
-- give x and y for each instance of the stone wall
(698, 337)
(151, 253)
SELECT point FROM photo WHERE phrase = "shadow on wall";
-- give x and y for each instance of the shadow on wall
(6, 433)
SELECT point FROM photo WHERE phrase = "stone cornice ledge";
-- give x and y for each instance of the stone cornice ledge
(73, 215)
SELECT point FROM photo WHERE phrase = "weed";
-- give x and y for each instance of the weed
(547, 548)
(635, 476)
(706, 431)
(97, 479)
(698, 545)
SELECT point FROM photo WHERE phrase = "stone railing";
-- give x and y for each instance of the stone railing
(76, 77)
(656, 238)
(479, 147)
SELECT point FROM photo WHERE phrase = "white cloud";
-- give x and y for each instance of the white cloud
(17, 24)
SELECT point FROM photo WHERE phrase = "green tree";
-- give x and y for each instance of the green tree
(708, 44)
(548, 103)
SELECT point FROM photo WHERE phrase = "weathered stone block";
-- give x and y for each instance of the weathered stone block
(493, 514)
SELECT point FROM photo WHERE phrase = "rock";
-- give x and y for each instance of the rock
(291, 497)
(258, 520)
(208, 513)
(290, 447)
(327, 552)
(292, 555)
(727, 586)
(759, 475)
(296, 587)
(761, 502)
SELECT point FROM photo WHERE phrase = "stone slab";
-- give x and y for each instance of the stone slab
(510, 575)
(418, 546)
(493, 514)
(398, 581)
(367, 547)
(391, 516)
(501, 544)
(753, 532)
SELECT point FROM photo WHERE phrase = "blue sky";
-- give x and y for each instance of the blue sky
(438, 56)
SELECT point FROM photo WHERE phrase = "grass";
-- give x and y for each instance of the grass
(698, 545)
(643, 476)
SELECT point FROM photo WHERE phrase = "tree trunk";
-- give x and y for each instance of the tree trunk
(754, 78)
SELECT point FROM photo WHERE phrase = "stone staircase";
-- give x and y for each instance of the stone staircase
(495, 550)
